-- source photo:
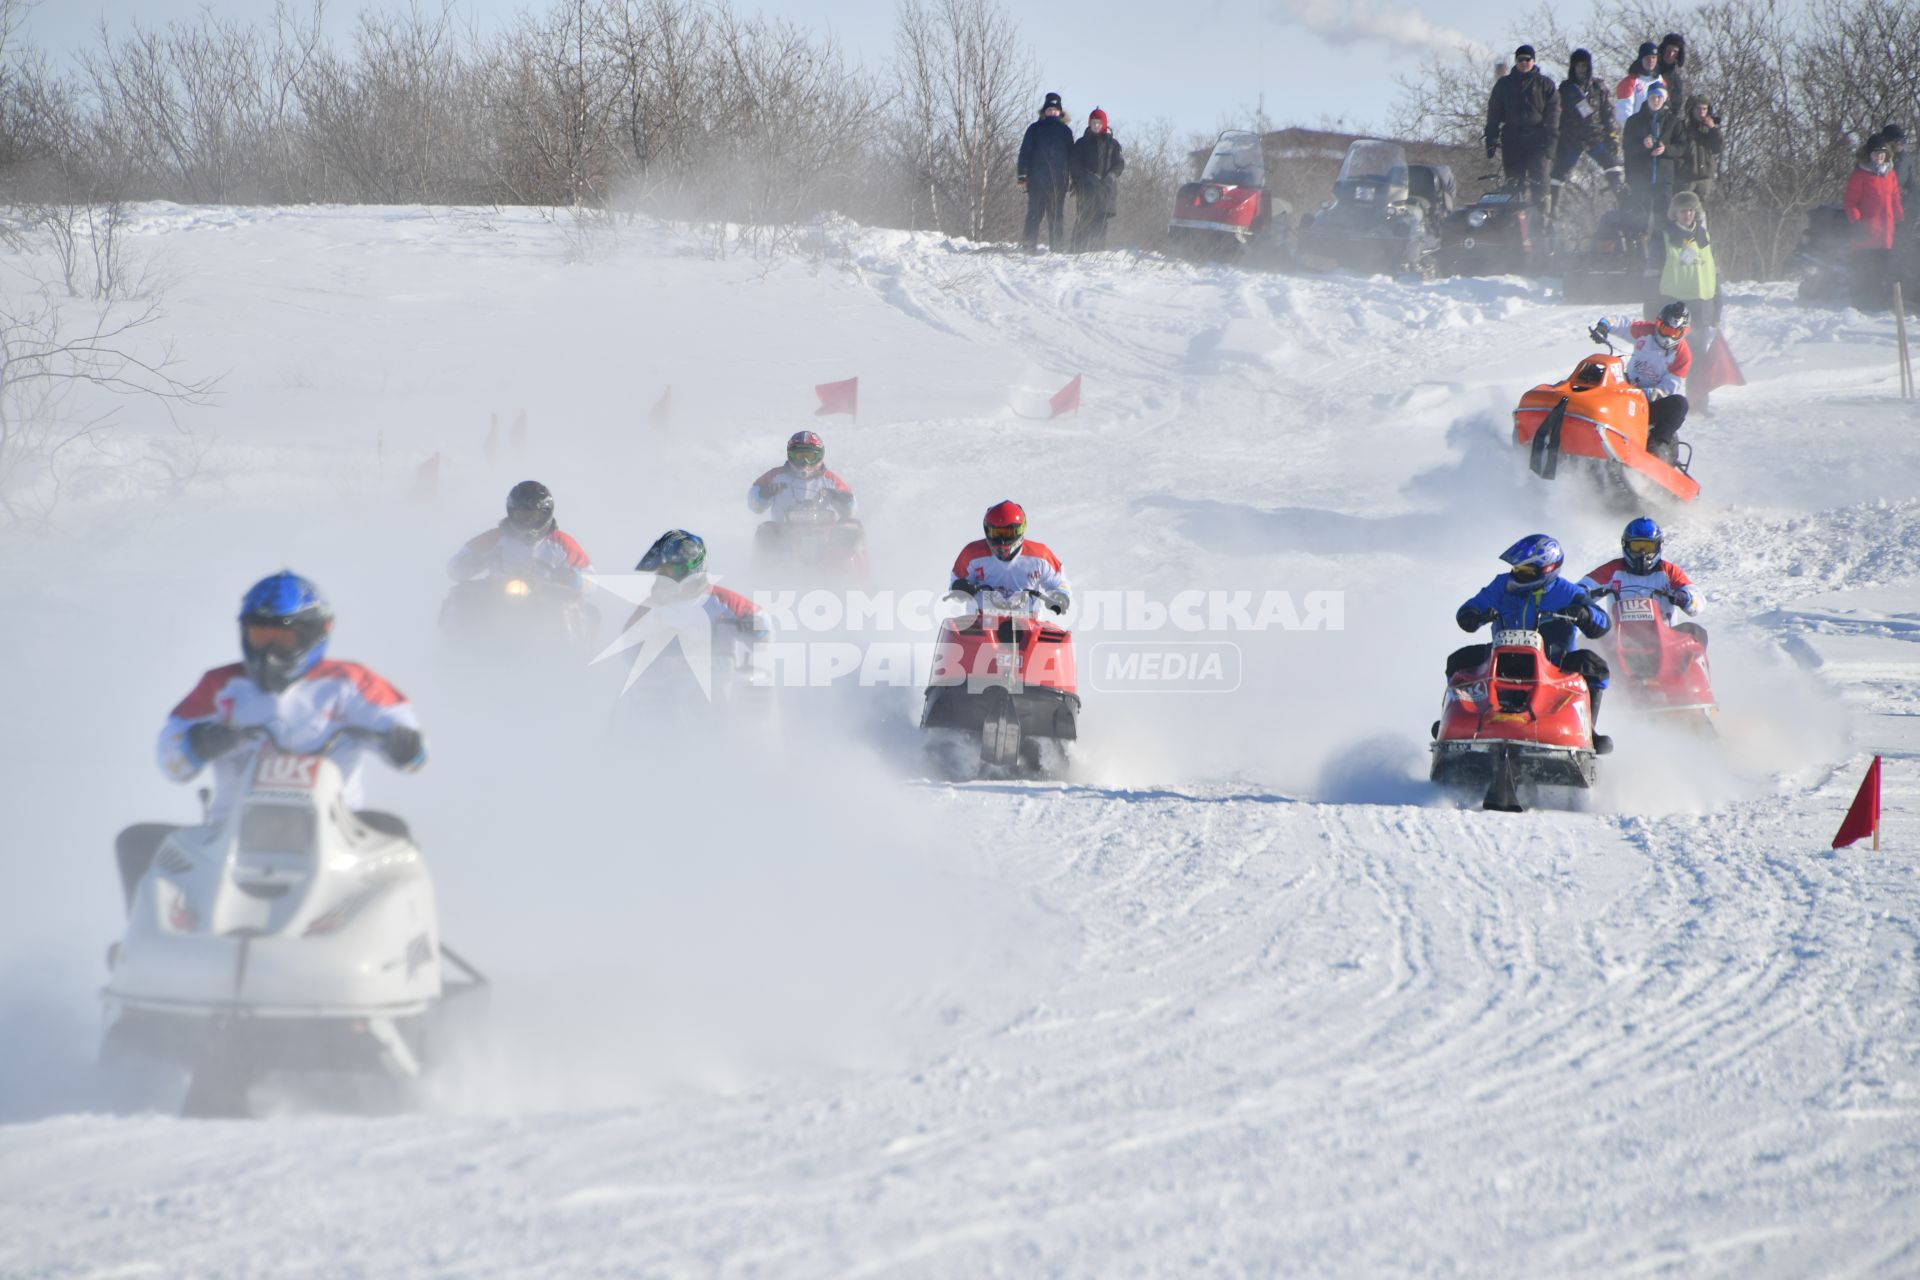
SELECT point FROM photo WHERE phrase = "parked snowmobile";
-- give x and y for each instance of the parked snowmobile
(1501, 233)
(295, 935)
(813, 538)
(1007, 675)
(1515, 720)
(1824, 258)
(1230, 207)
(1596, 415)
(1611, 267)
(1385, 214)
(1660, 669)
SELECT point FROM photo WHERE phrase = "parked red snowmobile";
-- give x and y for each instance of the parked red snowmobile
(1230, 207)
(1659, 668)
(1596, 414)
(1005, 674)
(1517, 719)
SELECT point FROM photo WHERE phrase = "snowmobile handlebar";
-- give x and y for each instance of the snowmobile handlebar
(260, 733)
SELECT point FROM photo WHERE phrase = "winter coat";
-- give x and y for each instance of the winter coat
(1644, 169)
(1519, 608)
(1046, 155)
(1523, 112)
(1673, 72)
(1631, 94)
(1586, 109)
(1873, 205)
(1097, 161)
(1702, 147)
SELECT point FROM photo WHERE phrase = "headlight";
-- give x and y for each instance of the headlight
(518, 587)
(1477, 219)
(1211, 195)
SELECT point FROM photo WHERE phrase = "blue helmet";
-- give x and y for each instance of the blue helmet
(676, 554)
(1640, 545)
(284, 624)
(1536, 559)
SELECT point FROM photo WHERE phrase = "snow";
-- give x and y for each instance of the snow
(1241, 995)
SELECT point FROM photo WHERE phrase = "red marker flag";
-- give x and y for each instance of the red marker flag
(1717, 368)
(838, 397)
(661, 415)
(1863, 819)
(1066, 399)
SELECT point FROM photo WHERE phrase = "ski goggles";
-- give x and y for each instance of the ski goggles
(1642, 547)
(807, 455)
(266, 635)
(1527, 572)
(1005, 534)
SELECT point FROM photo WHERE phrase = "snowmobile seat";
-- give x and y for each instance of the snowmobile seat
(1431, 184)
(387, 824)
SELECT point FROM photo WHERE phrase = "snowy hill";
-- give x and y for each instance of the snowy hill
(1241, 995)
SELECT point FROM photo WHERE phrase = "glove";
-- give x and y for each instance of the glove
(404, 747)
(1472, 619)
(1054, 600)
(1600, 330)
(210, 739)
(1592, 620)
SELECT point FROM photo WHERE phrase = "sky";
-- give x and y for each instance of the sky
(1200, 65)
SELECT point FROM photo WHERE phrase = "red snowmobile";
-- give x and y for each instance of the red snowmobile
(1597, 415)
(1659, 668)
(1516, 719)
(1005, 674)
(1230, 206)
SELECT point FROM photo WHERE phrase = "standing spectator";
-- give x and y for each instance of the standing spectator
(1701, 143)
(1046, 155)
(1645, 145)
(1523, 124)
(1631, 92)
(1687, 271)
(1670, 64)
(1896, 139)
(1586, 126)
(1097, 163)
(1875, 209)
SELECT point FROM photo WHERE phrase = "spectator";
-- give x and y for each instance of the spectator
(1631, 93)
(1687, 271)
(1896, 139)
(1669, 64)
(1586, 126)
(1874, 207)
(1701, 143)
(1045, 162)
(1523, 124)
(1097, 162)
(1650, 161)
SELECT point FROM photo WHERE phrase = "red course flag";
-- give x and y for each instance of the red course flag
(661, 415)
(1066, 399)
(838, 397)
(426, 481)
(1717, 368)
(1863, 819)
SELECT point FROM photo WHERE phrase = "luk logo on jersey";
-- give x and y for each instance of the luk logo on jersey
(278, 772)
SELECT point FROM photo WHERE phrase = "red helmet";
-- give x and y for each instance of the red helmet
(806, 451)
(1006, 529)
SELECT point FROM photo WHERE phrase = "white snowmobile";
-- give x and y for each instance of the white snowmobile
(296, 934)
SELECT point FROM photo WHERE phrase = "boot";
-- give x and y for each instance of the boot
(1602, 744)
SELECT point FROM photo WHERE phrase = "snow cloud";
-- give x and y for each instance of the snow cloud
(1347, 22)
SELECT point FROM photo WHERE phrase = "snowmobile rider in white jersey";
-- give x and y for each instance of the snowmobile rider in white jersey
(803, 481)
(1658, 365)
(1007, 562)
(286, 689)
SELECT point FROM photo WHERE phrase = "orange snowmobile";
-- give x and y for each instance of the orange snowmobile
(1596, 413)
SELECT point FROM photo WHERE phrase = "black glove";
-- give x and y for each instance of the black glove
(1599, 332)
(1472, 619)
(1054, 600)
(212, 738)
(404, 746)
(1591, 619)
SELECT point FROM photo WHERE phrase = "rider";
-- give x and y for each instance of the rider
(803, 481)
(1641, 572)
(1658, 366)
(1005, 560)
(286, 687)
(527, 541)
(1532, 596)
(679, 561)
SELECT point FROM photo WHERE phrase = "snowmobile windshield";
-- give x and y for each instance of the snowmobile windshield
(1368, 158)
(276, 828)
(1237, 161)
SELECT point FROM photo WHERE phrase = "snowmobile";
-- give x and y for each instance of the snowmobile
(814, 537)
(1229, 208)
(513, 613)
(1660, 669)
(1824, 258)
(295, 935)
(1611, 268)
(1385, 214)
(1515, 720)
(1007, 675)
(1501, 233)
(1596, 415)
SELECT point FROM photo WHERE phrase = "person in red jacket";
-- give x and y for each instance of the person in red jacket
(1874, 207)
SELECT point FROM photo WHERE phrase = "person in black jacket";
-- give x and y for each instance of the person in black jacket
(1523, 124)
(1672, 64)
(1699, 166)
(1043, 171)
(1651, 147)
(1097, 162)
(1586, 125)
